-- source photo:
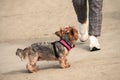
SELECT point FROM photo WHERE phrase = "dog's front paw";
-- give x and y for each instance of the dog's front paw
(67, 65)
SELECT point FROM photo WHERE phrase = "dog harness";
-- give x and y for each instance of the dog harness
(54, 47)
(64, 43)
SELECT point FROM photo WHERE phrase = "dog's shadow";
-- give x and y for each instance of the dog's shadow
(16, 72)
(25, 71)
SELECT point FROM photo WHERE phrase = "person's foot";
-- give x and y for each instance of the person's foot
(94, 44)
(83, 32)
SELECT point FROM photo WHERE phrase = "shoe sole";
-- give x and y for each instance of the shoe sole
(94, 49)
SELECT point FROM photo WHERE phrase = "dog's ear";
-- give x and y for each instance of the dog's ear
(74, 33)
(59, 33)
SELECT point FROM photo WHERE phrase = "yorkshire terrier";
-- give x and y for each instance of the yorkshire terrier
(57, 50)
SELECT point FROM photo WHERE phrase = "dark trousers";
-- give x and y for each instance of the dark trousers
(95, 14)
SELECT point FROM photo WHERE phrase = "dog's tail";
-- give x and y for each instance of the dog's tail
(22, 53)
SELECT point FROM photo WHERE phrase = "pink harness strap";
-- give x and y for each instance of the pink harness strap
(63, 42)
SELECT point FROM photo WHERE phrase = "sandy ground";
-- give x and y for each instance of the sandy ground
(85, 65)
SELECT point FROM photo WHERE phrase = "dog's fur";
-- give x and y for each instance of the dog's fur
(45, 50)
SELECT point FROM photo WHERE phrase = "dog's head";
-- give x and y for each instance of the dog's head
(68, 33)
(73, 34)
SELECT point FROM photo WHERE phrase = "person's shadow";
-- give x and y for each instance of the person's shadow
(82, 45)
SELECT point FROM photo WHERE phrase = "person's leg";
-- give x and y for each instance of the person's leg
(95, 22)
(80, 7)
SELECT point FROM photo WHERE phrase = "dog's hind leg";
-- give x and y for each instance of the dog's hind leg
(31, 66)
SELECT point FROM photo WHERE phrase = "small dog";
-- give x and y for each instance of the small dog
(57, 50)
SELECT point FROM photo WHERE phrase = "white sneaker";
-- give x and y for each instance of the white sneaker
(94, 44)
(83, 32)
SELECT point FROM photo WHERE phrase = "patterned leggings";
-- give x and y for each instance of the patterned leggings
(95, 14)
